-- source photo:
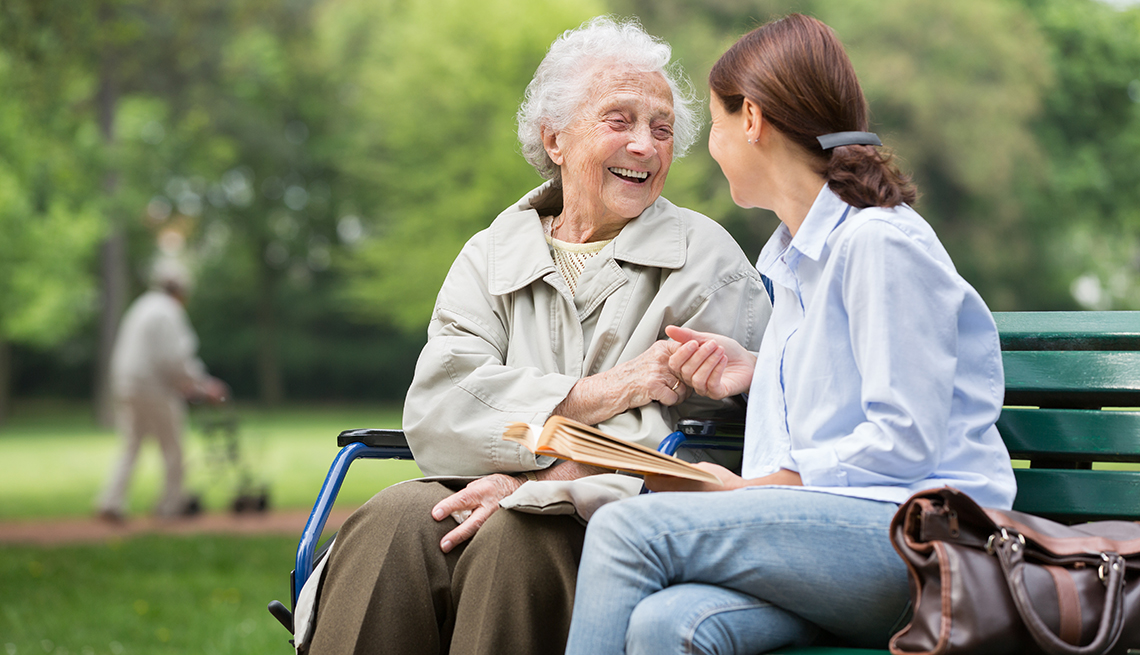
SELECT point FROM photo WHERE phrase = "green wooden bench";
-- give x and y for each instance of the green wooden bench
(1070, 378)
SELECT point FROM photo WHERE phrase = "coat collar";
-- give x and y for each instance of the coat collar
(519, 254)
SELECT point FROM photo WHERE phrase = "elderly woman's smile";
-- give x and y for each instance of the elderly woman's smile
(633, 176)
(615, 154)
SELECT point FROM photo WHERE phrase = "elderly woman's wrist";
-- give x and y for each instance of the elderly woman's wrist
(614, 392)
(594, 399)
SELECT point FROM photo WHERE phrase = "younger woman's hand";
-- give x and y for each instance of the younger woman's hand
(728, 480)
(712, 365)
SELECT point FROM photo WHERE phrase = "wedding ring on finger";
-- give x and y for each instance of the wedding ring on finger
(675, 385)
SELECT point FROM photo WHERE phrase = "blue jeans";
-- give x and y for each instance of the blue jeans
(736, 572)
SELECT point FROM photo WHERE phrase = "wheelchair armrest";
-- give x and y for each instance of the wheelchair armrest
(711, 434)
(376, 438)
(354, 444)
(723, 431)
(708, 434)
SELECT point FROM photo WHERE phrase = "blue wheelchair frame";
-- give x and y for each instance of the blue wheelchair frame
(392, 444)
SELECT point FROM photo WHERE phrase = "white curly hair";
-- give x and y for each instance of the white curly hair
(562, 83)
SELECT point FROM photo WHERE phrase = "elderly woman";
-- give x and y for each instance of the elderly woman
(559, 307)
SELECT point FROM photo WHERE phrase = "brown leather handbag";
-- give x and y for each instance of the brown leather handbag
(993, 581)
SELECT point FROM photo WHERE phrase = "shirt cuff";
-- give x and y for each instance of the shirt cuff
(818, 467)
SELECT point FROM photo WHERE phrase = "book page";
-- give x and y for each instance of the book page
(568, 439)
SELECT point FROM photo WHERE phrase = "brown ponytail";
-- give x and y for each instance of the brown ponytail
(797, 71)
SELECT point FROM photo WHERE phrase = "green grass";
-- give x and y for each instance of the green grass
(56, 458)
(161, 595)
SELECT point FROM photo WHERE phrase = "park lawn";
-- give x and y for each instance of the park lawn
(163, 595)
(56, 459)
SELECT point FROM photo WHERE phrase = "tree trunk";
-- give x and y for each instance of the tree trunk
(113, 251)
(271, 385)
(5, 379)
(113, 289)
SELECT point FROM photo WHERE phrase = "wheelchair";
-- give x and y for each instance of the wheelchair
(722, 433)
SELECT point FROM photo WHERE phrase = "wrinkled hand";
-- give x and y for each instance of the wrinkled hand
(636, 383)
(648, 377)
(480, 498)
(712, 365)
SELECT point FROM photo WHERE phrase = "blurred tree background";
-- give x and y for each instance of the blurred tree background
(320, 162)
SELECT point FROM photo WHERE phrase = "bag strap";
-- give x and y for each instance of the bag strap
(1010, 549)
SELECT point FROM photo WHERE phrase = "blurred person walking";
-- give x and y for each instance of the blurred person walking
(154, 370)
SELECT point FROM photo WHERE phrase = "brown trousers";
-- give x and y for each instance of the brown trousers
(389, 588)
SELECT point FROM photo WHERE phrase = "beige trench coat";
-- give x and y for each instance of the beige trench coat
(507, 340)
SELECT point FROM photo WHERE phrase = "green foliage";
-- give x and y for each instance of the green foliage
(955, 88)
(1090, 132)
(49, 221)
(426, 129)
(324, 160)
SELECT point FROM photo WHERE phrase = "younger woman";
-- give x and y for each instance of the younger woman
(879, 375)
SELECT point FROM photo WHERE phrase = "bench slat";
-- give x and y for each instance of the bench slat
(1072, 379)
(1088, 495)
(1076, 434)
(1069, 330)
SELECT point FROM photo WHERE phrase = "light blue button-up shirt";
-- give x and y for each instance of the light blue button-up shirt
(880, 371)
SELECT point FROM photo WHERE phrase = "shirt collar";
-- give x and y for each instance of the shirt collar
(824, 216)
(520, 254)
(783, 250)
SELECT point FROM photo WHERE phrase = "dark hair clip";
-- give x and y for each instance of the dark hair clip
(829, 141)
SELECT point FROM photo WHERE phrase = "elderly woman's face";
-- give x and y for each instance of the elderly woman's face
(616, 152)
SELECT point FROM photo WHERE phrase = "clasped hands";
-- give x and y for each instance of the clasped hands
(716, 367)
(711, 365)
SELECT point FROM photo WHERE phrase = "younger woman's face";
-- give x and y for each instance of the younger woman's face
(728, 145)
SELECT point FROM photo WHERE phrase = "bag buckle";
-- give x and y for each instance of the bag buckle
(1115, 563)
(1002, 536)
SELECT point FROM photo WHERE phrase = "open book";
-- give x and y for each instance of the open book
(568, 439)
